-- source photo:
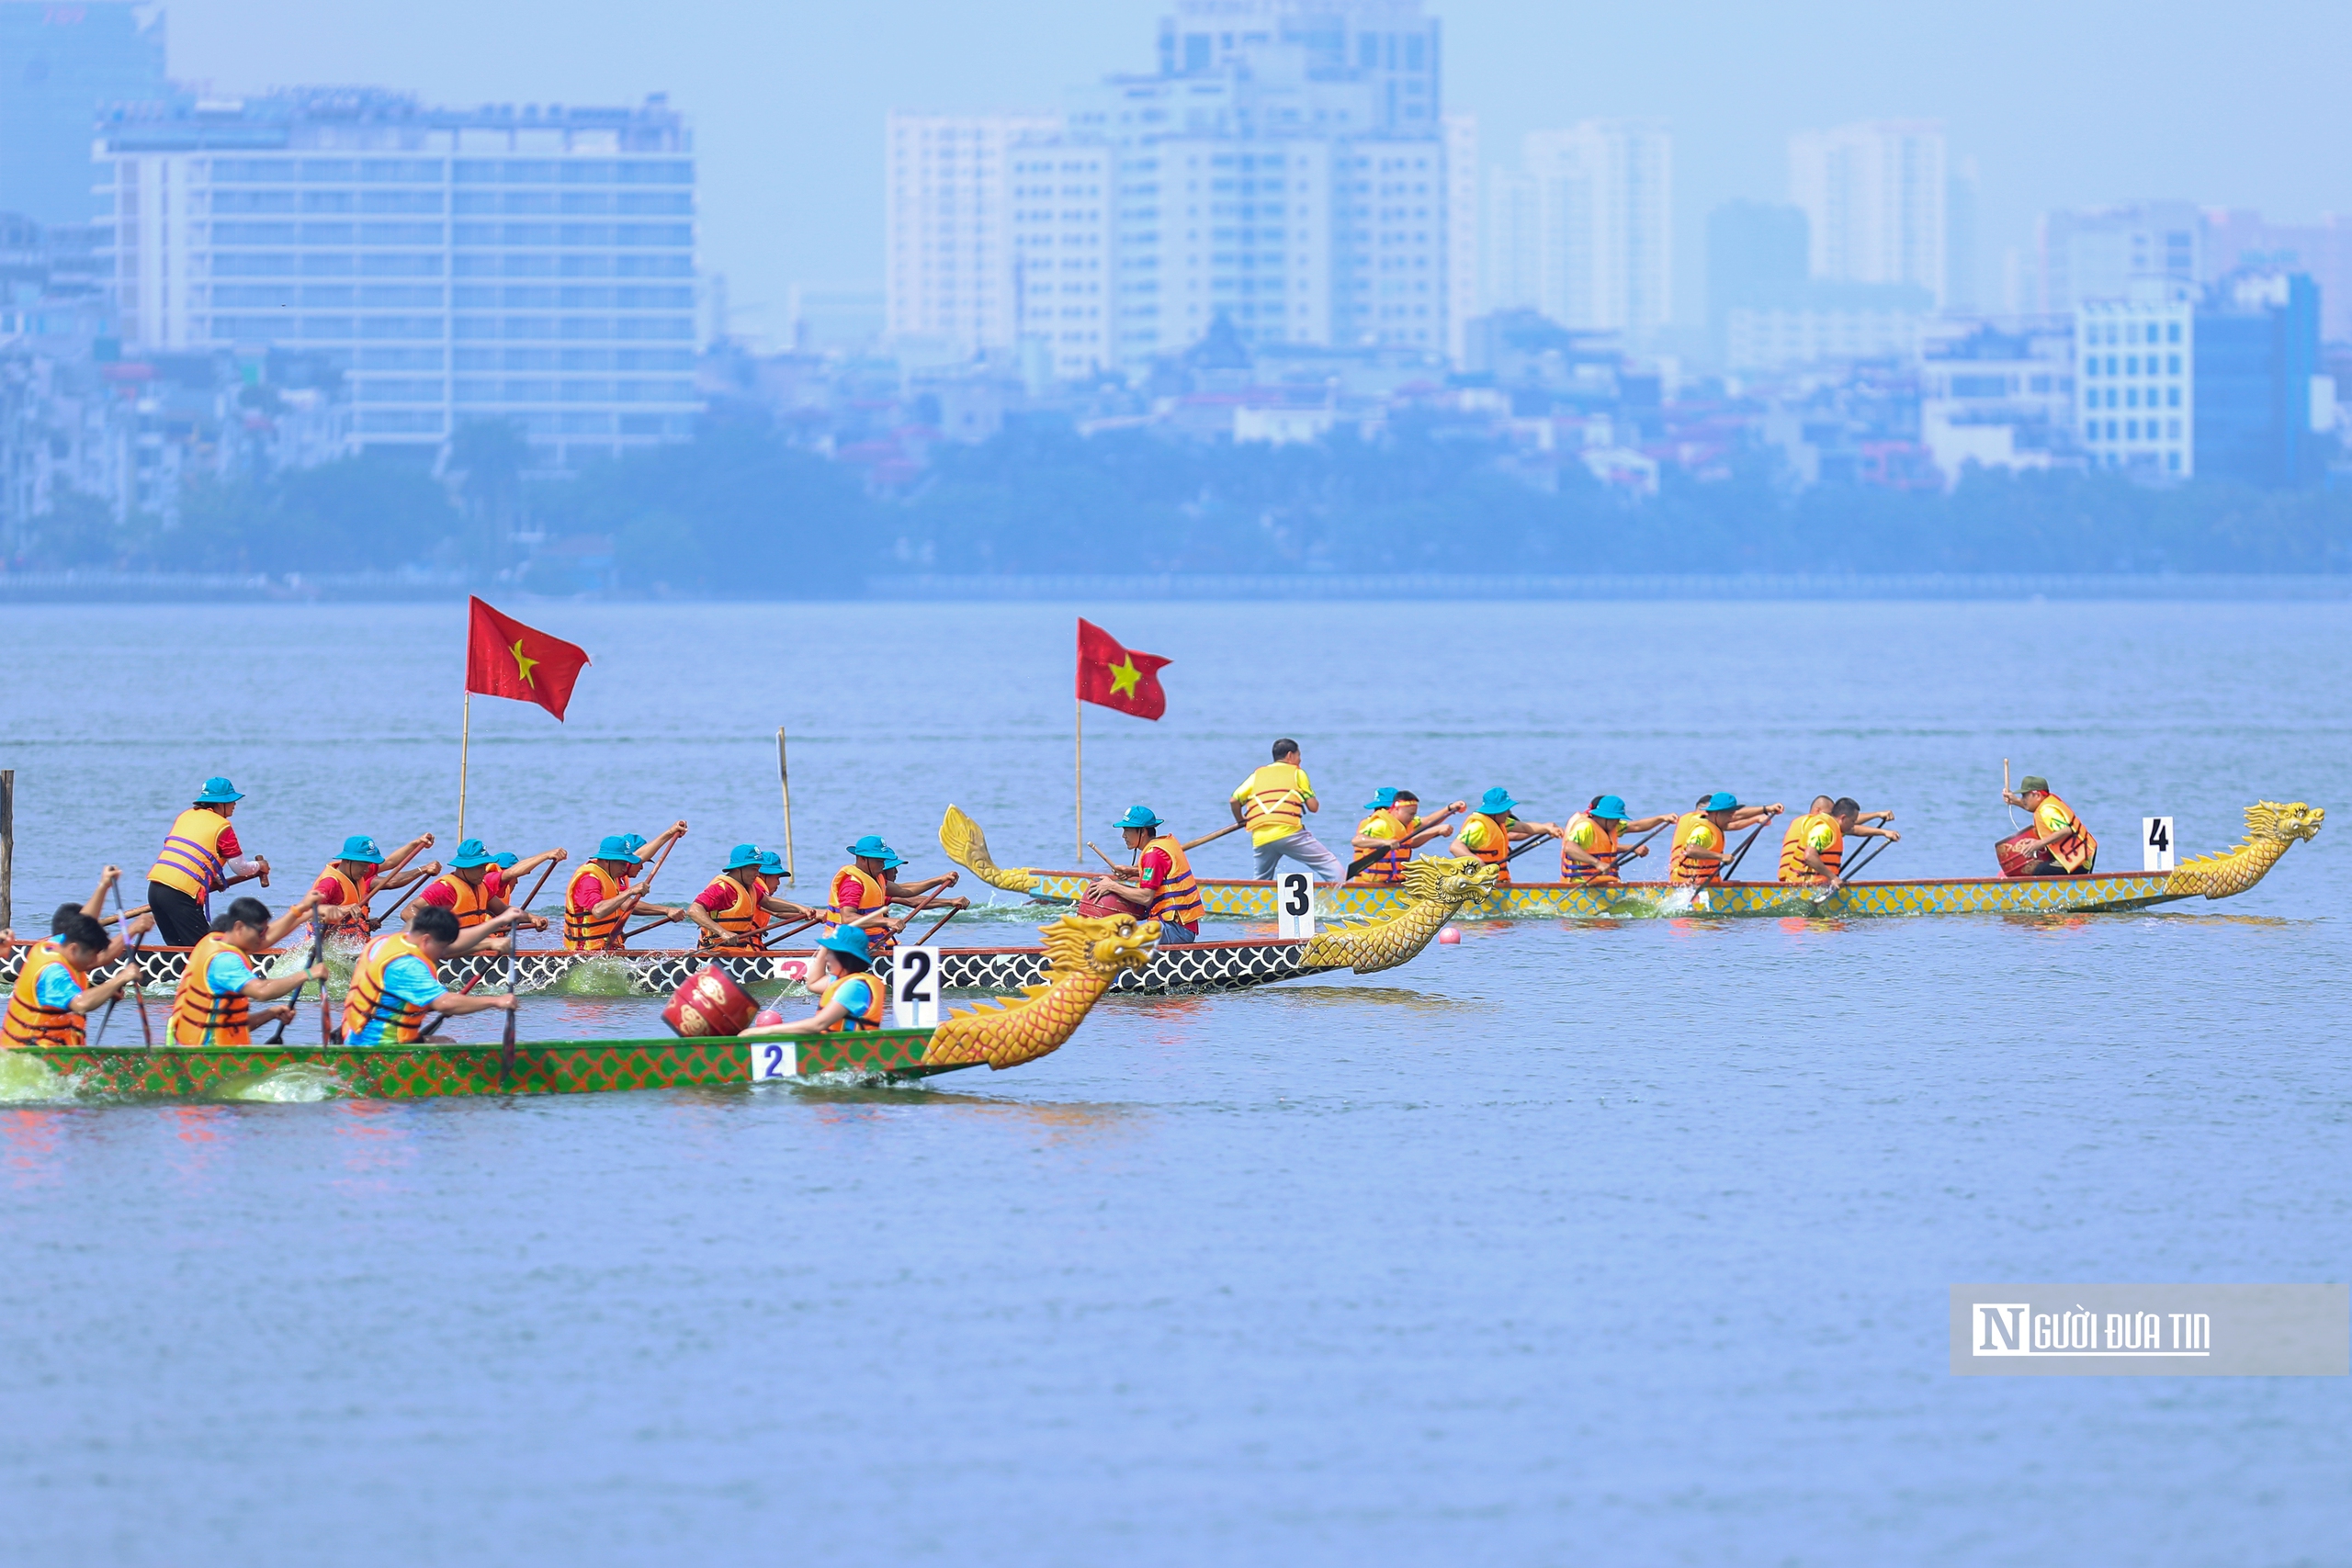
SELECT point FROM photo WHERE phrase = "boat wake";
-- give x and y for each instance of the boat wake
(25, 1081)
(301, 1083)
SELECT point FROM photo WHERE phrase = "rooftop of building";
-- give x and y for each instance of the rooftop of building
(374, 117)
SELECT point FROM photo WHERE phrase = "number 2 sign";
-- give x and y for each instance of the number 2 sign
(1294, 905)
(2156, 844)
(914, 988)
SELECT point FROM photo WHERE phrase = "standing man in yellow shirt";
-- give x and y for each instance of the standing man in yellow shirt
(1271, 803)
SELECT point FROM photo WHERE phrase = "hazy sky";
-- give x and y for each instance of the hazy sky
(2060, 102)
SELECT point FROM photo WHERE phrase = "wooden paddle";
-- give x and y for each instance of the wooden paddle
(1192, 844)
(659, 862)
(132, 958)
(1744, 845)
(398, 864)
(318, 945)
(1847, 877)
(544, 872)
(146, 1031)
(506, 1050)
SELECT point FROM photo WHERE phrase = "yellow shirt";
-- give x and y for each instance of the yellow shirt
(1277, 795)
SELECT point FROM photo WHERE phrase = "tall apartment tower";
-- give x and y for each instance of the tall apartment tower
(1874, 194)
(1287, 167)
(2091, 254)
(63, 66)
(533, 265)
(946, 227)
(1583, 230)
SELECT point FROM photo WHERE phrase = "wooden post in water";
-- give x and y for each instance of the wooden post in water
(8, 843)
(465, 745)
(784, 782)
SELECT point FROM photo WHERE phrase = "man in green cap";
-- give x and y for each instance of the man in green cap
(2061, 846)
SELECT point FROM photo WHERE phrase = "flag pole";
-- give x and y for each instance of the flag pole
(1077, 855)
(784, 782)
(465, 743)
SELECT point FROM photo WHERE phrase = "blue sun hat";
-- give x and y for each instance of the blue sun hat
(1723, 800)
(1610, 808)
(850, 939)
(870, 846)
(362, 848)
(632, 841)
(1382, 799)
(741, 856)
(1138, 816)
(616, 846)
(471, 854)
(1495, 802)
(505, 860)
(218, 790)
(771, 863)
(892, 861)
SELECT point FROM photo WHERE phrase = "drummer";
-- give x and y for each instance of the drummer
(849, 999)
(2062, 845)
(1160, 886)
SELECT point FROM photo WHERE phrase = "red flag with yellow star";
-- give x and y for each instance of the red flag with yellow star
(506, 659)
(1115, 676)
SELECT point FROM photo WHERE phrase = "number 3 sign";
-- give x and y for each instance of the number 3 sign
(1294, 905)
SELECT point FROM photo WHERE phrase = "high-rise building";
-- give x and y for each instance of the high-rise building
(2136, 359)
(2256, 372)
(1876, 197)
(535, 265)
(1287, 168)
(2094, 253)
(61, 67)
(1583, 230)
(946, 227)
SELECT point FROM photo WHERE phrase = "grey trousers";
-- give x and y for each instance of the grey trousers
(1308, 851)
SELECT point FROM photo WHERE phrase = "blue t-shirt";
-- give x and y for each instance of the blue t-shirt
(409, 978)
(228, 973)
(56, 987)
(857, 994)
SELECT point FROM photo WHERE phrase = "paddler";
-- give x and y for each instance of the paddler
(394, 983)
(340, 894)
(1272, 804)
(1394, 830)
(200, 857)
(1488, 833)
(214, 1003)
(467, 891)
(2062, 846)
(848, 996)
(1160, 886)
(1813, 850)
(1703, 833)
(729, 910)
(1588, 850)
(52, 994)
(600, 899)
(864, 890)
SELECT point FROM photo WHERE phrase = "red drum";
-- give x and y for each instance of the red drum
(1103, 904)
(2016, 858)
(709, 1004)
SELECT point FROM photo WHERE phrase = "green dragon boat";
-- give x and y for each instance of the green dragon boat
(2271, 828)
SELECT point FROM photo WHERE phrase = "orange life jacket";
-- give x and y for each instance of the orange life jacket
(471, 903)
(349, 893)
(1603, 836)
(870, 1017)
(1793, 865)
(1497, 851)
(202, 1016)
(2078, 852)
(872, 895)
(1177, 901)
(191, 860)
(737, 919)
(28, 1023)
(587, 932)
(1390, 869)
(1698, 852)
(367, 1002)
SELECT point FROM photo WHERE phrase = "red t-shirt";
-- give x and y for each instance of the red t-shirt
(227, 846)
(439, 892)
(586, 893)
(848, 890)
(1156, 867)
(330, 891)
(720, 895)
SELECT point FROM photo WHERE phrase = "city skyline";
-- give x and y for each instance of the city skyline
(2006, 81)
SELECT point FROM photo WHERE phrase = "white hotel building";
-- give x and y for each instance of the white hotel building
(537, 265)
(2136, 363)
(1288, 167)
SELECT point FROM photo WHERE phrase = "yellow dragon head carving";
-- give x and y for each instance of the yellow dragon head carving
(2270, 827)
(1440, 878)
(2286, 823)
(1083, 953)
(1098, 944)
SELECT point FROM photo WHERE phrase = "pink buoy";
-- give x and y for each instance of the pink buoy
(1449, 936)
(767, 1016)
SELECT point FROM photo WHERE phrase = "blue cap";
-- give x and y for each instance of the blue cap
(1723, 800)
(616, 846)
(1138, 816)
(771, 863)
(741, 856)
(360, 847)
(1495, 802)
(1611, 807)
(870, 846)
(218, 790)
(850, 939)
(471, 854)
(1382, 799)
(505, 860)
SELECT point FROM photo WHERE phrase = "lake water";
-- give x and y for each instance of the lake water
(1605, 1244)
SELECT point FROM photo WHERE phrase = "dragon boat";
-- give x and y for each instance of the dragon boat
(2270, 827)
(1085, 956)
(1435, 890)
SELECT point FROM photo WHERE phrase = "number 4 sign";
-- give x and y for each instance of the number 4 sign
(2156, 844)
(1294, 905)
(914, 988)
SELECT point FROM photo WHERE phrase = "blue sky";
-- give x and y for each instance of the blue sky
(2060, 102)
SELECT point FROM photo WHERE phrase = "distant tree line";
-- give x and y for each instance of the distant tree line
(741, 512)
